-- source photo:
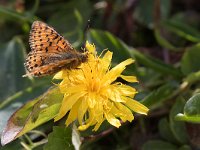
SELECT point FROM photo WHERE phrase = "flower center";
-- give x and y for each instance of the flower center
(94, 85)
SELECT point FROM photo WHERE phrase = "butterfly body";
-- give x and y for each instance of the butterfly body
(50, 52)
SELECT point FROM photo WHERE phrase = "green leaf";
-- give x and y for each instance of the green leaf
(72, 25)
(60, 138)
(145, 10)
(165, 130)
(158, 145)
(9, 13)
(162, 41)
(9, 105)
(14, 89)
(183, 117)
(155, 64)
(12, 146)
(191, 110)
(32, 114)
(182, 29)
(12, 67)
(178, 128)
(190, 60)
(193, 77)
(185, 147)
(156, 97)
(105, 40)
(192, 106)
(35, 7)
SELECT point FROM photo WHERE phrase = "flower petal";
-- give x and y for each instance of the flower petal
(71, 89)
(126, 90)
(91, 96)
(58, 75)
(73, 113)
(82, 109)
(89, 121)
(116, 71)
(113, 94)
(127, 114)
(112, 120)
(129, 78)
(106, 61)
(98, 124)
(91, 99)
(67, 103)
(136, 106)
(90, 47)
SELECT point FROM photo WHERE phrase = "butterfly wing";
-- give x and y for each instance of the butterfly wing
(39, 64)
(47, 48)
(44, 38)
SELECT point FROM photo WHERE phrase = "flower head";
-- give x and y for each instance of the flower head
(92, 95)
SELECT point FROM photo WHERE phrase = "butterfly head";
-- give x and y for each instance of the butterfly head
(83, 57)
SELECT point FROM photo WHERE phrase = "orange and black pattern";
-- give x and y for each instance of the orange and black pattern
(50, 52)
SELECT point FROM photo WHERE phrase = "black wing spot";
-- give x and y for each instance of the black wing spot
(59, 39)
(55, 37)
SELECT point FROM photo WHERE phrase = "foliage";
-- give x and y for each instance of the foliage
(163, 37)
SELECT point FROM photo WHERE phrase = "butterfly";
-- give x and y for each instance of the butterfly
(50, 52)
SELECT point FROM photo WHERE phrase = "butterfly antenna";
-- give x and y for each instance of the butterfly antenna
(86, 29)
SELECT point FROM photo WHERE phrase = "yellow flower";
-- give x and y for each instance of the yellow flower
(92, 96)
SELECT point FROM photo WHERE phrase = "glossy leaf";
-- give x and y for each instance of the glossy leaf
(191, 110)
(60, 138)
(178, 128)
(9, 105)
(12, 68)
(32, 114)
(190, 60)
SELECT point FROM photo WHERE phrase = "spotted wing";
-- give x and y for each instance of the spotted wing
(46, 45)
(44, 38)
(40, 64)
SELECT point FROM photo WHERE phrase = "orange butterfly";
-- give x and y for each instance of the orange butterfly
(50, 52)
